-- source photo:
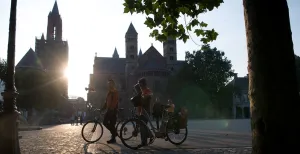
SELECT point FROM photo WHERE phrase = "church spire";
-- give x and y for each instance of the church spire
(115, 55)
(43, 37)
(131, 30)
(140, 53)
(55, 9)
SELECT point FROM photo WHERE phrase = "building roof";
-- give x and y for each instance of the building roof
(30, 60)
(152, 60)
(131, 30)
(55, 9)
(110, 65)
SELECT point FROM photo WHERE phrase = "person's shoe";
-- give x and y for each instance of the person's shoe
(113, 140)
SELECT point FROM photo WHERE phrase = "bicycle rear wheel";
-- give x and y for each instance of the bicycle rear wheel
(125, 129)
(132, 132)
(94, 131)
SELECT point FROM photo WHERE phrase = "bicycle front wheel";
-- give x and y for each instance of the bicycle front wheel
(125, 129)
(92, 131)
(131, 128)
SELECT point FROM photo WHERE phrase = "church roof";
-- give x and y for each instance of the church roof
(55, 8)
(131, 30)
(110, 65)
(152, 60)
(30, 60)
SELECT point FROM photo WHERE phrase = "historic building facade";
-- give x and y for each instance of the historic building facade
(51, 53)
(156, 68)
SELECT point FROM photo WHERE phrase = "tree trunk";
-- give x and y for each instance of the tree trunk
(273, 92)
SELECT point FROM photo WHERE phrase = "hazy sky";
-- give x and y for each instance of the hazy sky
(96, 26)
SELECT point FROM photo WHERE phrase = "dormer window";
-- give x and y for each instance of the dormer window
(171, 58)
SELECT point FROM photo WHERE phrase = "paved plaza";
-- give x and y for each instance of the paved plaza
(205, 137)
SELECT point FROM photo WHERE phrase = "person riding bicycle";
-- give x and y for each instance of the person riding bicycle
(145, 104)
(110, 117)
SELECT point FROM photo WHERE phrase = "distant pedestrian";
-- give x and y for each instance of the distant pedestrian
(157, 112)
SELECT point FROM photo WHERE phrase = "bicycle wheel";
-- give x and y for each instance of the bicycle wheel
(171, 128)
(94, 129)
(125, 129)
(132, 132)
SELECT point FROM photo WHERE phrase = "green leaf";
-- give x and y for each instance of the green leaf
(203, 24)
(199, 32)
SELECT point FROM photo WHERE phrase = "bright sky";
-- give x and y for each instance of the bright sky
(97, 26)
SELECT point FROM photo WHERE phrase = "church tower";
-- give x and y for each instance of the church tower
(54, 29)
(53, 51)
(170, 52)
(131, 51)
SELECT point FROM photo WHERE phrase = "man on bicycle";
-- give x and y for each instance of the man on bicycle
(110, 117)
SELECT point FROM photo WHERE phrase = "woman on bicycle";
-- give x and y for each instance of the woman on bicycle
(145, 103)
(110, 117)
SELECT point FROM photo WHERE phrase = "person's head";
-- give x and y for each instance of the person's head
(142, 82)
(111, 84)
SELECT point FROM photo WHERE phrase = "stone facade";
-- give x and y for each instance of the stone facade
(156, 68)
(51, 53)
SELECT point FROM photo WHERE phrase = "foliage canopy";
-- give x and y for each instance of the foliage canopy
(164, 15)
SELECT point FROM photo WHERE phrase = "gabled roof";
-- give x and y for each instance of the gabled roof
(110, 65)
(30, 60)
(131, 30)
(152, 60)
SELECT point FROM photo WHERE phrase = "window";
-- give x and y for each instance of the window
(171, 49)
(54, 33)
(131, 47)
(131, 56)
(171, 58)
(172, 69)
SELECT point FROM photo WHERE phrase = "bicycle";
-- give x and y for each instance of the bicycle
(95, 122)
(98, 121)
(169, 123)
(122, 120)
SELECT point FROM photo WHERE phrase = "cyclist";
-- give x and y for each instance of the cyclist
(145, 103)
(110, 117)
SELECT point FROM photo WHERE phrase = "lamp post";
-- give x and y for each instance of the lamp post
(9, 142)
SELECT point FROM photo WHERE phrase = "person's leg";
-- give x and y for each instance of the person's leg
(106, 120)
(157, 122)
(111, 126)
(144, 131)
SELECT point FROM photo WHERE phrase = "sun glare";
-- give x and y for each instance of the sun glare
(67, 73)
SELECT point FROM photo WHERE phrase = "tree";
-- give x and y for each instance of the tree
(208, 68)
(273, 94)
(273, 90)
(164, 15)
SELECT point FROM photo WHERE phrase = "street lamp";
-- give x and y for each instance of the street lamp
(9, 141)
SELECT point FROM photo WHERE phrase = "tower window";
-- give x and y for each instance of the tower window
(131, 56)
(54, 33)
(172, 49)
(171, 58)
(132, 47)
